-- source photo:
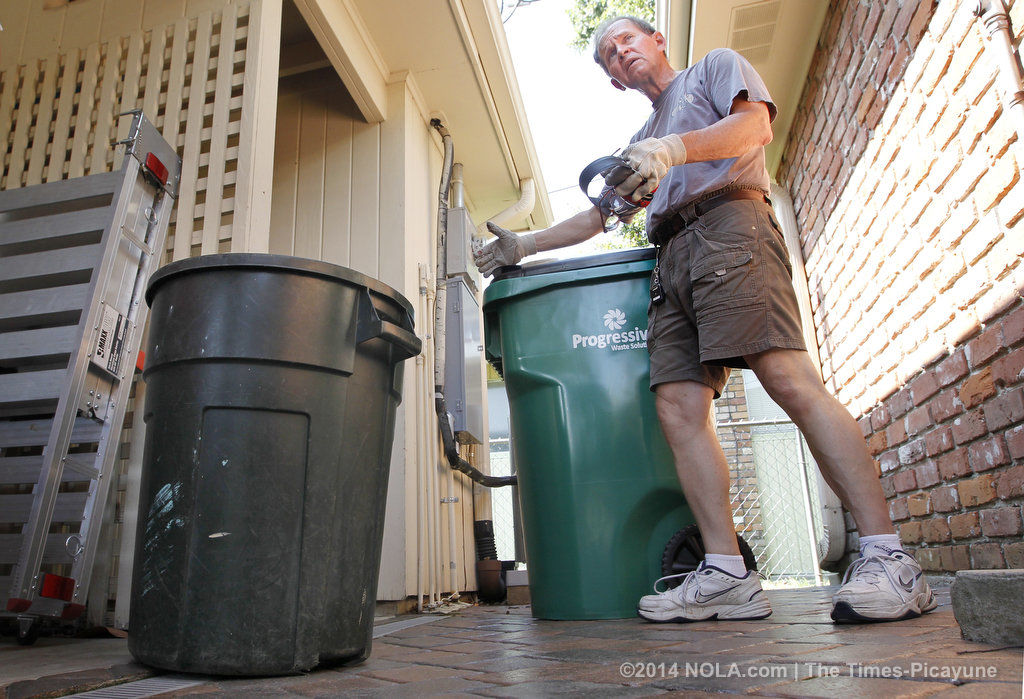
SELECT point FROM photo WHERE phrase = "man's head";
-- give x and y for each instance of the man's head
(631, 52)
(641, 24)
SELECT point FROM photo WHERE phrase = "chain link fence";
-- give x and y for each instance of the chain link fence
(775, 500)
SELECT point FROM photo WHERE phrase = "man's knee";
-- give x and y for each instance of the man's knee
(683, 406)
(789, 378)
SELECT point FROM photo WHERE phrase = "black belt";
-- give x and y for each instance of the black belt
(694, 210)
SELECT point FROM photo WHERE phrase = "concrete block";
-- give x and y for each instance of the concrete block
(989, 605)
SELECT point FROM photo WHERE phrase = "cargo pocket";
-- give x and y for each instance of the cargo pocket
(723, 280)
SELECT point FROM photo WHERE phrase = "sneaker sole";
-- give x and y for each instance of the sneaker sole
(735, 615)
(844, 613)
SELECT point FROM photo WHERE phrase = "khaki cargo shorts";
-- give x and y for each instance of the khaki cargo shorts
(728, 287)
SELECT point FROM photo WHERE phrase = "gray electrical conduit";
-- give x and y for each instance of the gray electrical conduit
(451, 451)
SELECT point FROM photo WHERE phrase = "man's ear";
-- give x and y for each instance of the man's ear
(617, 85)
(661, 41)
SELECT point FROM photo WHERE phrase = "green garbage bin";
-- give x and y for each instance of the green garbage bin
(597, 485)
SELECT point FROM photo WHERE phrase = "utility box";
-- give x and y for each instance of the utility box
(463, 366)
(459, 257)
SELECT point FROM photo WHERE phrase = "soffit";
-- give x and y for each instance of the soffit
(778, 37)
(456, 54)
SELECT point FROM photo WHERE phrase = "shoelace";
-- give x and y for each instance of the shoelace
(870, 575)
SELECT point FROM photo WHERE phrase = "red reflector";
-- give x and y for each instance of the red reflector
(140, 362)
(17, 605)
(57, 587)
(72, 611)
(156, 168)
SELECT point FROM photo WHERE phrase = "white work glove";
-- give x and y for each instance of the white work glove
(507, 250)
(650, 160)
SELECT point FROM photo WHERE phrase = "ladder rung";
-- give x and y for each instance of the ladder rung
(41, 344)
(52, 194)
(54, 552)
(31, 386)
(53, 231)
(50, 268)
(39, 306)
(25, 469)
(36, 433)
(15, 509)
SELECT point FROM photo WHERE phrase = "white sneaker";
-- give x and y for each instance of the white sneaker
(882, 587)
(707, 593)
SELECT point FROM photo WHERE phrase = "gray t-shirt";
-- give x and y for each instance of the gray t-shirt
(700, 96)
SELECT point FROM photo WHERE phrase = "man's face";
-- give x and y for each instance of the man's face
(629, 54)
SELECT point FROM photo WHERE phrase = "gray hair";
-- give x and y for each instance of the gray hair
(641, 24)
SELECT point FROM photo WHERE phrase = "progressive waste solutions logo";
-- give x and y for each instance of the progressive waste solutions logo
(621, 338)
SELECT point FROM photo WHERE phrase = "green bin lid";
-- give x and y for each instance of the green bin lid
(521, 279)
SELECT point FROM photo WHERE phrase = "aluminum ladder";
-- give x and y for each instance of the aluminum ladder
(75, 258)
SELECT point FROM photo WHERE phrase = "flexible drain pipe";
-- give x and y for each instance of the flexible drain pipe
(1000, 44)
(451, 450)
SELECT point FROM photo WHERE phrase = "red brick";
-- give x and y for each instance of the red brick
(1001, 521)
(927, 474)
(923, 387)
(864, 422)
(888, 489)
(900, 403)
(954, 464)
(977, 387)
(904, 481)
(919, 505)
(889, 461)
(968, 427)
(1015, 441)
(946, 405)
(987, 454)
(911, 452)
(1014, 554)
(898, 509)
(1009, 370)
(895, 433)
(1010, 483)
(928, 558)
(935, 530)
(951, 369)
(952, 558)
(879, 418)
(938, 441)
(976, 491)
(918, 420)
(1005, 409)
(877, 443)
(986, 556)
(1013, 327)
(944, 499)
(965, 526)
(910, 533)
(984, 346)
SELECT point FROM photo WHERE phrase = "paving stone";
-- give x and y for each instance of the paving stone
(566, 687)
(989, 605)
(860, 687)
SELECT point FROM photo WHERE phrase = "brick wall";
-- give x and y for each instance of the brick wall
(905, 176)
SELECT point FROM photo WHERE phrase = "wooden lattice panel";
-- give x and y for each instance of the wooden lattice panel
(59, 115)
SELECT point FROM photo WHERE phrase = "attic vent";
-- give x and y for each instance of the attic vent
(752, 29)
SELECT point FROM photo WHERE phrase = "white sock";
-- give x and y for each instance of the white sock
(883, 544)
(733, 565)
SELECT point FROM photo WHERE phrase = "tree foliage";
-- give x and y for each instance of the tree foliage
(587, 14)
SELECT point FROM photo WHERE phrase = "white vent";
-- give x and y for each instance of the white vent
(752, 29)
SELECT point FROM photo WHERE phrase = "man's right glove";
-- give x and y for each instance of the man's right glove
(507, 250)
(649, 161)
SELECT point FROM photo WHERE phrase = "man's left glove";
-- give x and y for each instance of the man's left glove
(649, 161)
(507, 250)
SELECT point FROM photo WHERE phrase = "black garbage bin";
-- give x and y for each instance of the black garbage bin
(271, 389)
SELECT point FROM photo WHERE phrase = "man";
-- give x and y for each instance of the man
(721, 298)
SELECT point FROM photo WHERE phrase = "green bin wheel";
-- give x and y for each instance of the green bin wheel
(685, 551)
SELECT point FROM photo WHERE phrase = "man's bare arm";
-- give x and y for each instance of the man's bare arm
(575, 229)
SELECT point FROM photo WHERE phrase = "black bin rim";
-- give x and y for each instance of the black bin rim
(265, 261)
